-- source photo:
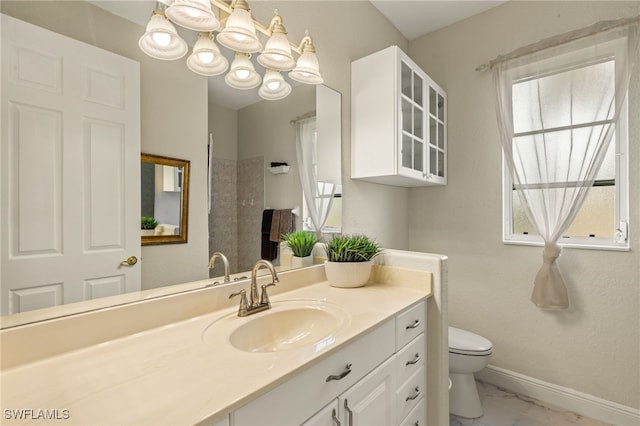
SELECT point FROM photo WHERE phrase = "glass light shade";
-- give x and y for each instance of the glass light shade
(307, 69)
(274, 87)
(193, 14)
(161, 41)
(239, 33)
(242, 74)
(206, 58)
(277, 53)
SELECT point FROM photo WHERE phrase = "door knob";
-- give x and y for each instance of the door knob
(131, 260)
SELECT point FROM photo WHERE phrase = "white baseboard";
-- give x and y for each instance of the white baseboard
(569, 399)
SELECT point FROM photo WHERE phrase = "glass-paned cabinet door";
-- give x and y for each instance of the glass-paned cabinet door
(412, 118)
(437, 135)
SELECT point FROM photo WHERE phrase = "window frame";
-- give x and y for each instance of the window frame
(621, 213)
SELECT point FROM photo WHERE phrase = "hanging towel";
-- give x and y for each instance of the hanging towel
(268, 249)
(282, 223)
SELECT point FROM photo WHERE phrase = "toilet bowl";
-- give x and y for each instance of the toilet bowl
(468, 354)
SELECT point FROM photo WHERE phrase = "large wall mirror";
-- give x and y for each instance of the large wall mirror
(254, 134)
(164, 200)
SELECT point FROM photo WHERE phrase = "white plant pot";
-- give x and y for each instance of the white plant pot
(348, 274)
(301, 262)
(147, 232)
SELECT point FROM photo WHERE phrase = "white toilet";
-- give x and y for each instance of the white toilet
(468, 354)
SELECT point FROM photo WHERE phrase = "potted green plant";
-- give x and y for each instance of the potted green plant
(148, 225)
(350, 259)
(301, 244)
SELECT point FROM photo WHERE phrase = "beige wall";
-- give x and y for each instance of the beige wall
(593, 347)
(265, 131)
(223, 126)
(173, 120)
(342, 32)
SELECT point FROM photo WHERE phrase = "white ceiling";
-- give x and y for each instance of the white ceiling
(413, 18)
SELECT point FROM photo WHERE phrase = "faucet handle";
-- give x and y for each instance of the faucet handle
(264, 297)
(244, 305)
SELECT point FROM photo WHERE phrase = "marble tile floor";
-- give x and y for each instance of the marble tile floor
(502, 408)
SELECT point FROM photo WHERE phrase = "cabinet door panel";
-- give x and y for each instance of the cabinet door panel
(328, 416)
(371, 402)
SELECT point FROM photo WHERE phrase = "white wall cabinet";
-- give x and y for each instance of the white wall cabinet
(377, 380)
(398, 122)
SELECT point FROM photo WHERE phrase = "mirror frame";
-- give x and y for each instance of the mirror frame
(184, 200)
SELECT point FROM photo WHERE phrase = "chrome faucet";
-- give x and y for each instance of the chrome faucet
(255, 304)
(215, 255)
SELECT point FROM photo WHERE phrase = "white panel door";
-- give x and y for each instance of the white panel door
(69, 170)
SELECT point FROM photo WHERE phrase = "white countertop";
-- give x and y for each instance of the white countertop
(169, 375)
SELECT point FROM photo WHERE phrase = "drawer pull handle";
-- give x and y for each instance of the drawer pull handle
(414, 325)
(341, 375)
(335, 419)
(412, 397)
(349, 412)
(414, 360)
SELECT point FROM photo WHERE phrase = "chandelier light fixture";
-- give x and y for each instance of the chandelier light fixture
(237, 31)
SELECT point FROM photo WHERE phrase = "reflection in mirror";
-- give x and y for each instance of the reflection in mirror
(164, 199)
(243, 130)
(243, 185)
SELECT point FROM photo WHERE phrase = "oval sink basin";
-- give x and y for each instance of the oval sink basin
(287, 325)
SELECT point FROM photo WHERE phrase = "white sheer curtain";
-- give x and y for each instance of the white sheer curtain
(318, 195)
(558, 105)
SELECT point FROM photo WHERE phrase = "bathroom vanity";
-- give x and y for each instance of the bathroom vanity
(319, 356)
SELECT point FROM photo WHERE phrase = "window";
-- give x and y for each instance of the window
(333, 224)
(326, 196)
(554, 113)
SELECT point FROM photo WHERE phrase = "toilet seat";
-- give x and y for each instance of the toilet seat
(464, 342)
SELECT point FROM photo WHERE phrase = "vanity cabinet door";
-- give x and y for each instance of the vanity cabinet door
(371, 402)
(223, 422)
(328, 416)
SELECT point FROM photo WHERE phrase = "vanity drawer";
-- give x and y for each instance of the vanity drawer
(410, 394)
(410, 359)
(410, 324)
(298, 399)
(417, 416)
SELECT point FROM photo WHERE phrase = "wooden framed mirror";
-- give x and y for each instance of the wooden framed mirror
(164, 200)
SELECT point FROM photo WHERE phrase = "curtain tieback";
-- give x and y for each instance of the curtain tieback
(551, 252)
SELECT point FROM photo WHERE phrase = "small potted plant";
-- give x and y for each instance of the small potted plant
(148, 225)
(301, 244)
(350, 259)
